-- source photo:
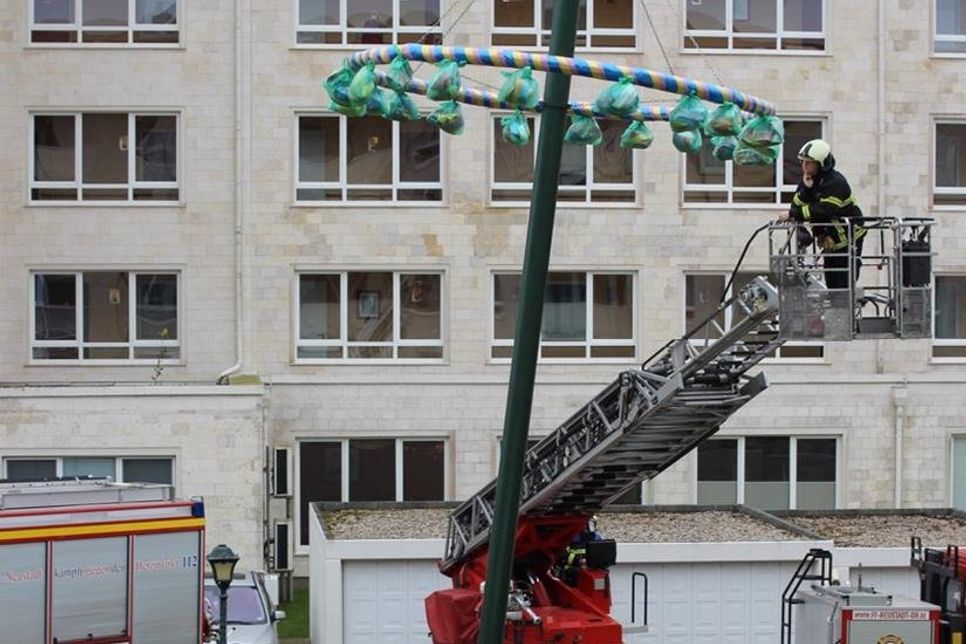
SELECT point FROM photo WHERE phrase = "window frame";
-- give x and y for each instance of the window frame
(938, 38)
(131, 28)
(78, 184)
(588, 188)
(78, 343)
(397, 32)
(938, 120)
(399, 474)
(945, 342)
(955, 435)
(396, 343)
(778, 35)
(539, 33)
(344, 186)
(728, 187)
(589, 342)
(118, 463)
(792, 465)
(777, 359)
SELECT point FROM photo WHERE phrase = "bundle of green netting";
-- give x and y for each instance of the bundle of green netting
(756, 142)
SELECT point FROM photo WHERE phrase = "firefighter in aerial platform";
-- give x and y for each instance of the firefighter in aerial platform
(824, 200)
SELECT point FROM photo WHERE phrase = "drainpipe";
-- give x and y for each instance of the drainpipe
(239, 198)
(880, 147)
(899, 396)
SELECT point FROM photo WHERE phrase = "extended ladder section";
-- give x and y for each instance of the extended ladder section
(642, 423)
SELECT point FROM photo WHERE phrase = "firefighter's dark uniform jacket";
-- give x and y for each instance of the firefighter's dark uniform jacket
(829, 206)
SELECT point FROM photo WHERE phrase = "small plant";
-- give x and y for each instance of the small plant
(162, 354)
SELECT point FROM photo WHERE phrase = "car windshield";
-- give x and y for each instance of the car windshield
(244, 605)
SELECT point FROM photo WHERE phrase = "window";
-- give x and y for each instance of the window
(527, 23)
(138, 22)
(703, 293)
(368, 22)
(585, 315)
(950, 188)
(959, 472)
(950, 27)
(370, 469)
(105, 316)
(366, 159)
(89, 157)
(949, 321)
(776, 25)
(710, 181)
(588, 174)
(369, 315)
(769, 472)
(140, 469)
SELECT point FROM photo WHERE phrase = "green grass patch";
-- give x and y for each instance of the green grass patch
(296, 622)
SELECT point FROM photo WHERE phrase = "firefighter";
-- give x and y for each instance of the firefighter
(576, 554)
(824, 199)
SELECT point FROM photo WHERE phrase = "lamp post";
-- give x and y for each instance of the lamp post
(222, 560)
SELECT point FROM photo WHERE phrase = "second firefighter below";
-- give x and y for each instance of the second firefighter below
(824, 199)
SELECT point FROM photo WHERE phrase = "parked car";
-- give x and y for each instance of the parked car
(252, 614)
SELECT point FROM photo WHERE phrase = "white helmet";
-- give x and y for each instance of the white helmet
(819, 151)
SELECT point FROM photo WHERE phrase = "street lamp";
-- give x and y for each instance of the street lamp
(222, 560)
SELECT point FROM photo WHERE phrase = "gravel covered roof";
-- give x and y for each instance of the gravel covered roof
(884, 530)
(625, 527)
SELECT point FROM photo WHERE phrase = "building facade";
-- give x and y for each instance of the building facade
(179, 208)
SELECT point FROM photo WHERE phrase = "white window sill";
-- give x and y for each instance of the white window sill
(368, 204)
(571, 361)
(824, 361)
(563, 205)
(74, 45)
(949, 208)
(948, 55)
(105, 204)
(636, 49)
(368, 362)
(104, 363)
(795, 53)
(734, 206)
(954, 361)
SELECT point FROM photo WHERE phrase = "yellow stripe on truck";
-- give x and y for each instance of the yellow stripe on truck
(100, 529)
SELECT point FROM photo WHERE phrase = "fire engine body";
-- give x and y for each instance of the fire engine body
(647, 420)
(942, 577)
(100, 563)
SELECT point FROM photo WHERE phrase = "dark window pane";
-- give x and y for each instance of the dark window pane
(951, 155)
(98, 467)
(512, 163)
(156, 154)
(419, 304)
(418, 151)
(54, 151)
(376, 14)
(506, 297)
(55, 353)
(53, 12)
(318, 12)
(419, 13)
(55, 307)
(614, 14)
(319, 317)
(755, 16)
(423, 470)
(320, 479)
(565, 307)
(613, 309)
(318, 148)
(104, 13)
(950, 307)
(31, 470)
(156, 12)
(630, 497)
(573, 166)
(147, 470)
(612, 163)
(369, 150)
(816, 460)
(105, 148)
(709, 14)
(370, 307)
(702, 295)
(372, 470)
(797, 134)
(157, 307)
(513, 14)
(704, 168)
(106, 307)
(718, 460)
(766, 459)
(548, 15)
(803, 15)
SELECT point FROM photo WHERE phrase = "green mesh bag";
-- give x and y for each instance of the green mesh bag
(725, 120)
(402, 108)
(637, 135)
(620, 100)
(337, 85)
(348, 110)
(752, 155)
(763, 131)
(448, 117)
(363, 84)
(445, 83)
(400, 74)
(583, 130)
(688, 141)
(379, 104)
(723, 147)
(688, 114)
(520, 89)
(516, 130)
